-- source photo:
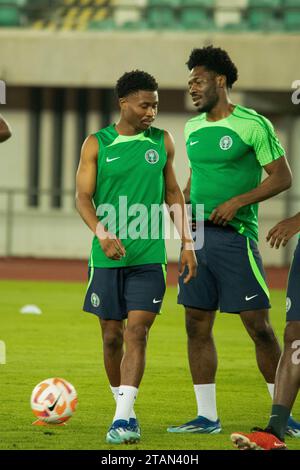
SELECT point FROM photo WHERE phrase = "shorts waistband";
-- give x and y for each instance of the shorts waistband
(208, 223)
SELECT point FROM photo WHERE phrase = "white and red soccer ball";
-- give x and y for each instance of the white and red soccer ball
(53, 401)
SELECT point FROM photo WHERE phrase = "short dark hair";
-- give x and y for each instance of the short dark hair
(216, 60)
(134, 81)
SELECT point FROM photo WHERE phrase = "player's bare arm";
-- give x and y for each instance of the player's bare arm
(279, 179)
(5, 130)
(281, 233)
(174, 196)
(85, 188)
(187, 189)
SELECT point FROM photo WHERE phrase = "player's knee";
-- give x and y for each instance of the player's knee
(262, 333)
(113, 340)
(198, 330)
(136, 334)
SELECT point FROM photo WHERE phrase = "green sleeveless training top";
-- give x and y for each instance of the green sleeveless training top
(130, 190)
(226, 158)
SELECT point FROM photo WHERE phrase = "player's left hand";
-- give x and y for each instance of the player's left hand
(188, 258)
(225, 212)
(283, 231)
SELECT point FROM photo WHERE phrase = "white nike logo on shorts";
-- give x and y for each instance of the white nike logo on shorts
(194, 142)
(156, 301)
(249, 298)
(111, 159)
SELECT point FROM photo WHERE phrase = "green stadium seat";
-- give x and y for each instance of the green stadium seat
(265, 3)
(163, 17)
(198, 3)
(262, 19)
(12, 3)
(291, 20)
(102, 25)
(291, 15)
(168, 3)
(139, 25)
(9, 15)
(291, 3)
(236, 27)
(196, 18)
(33, 2)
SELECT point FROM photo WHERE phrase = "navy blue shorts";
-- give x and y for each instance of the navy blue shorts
(293, 290)
(113, 292)
(230, 274)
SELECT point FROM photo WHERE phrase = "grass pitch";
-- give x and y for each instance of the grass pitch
(65, 342)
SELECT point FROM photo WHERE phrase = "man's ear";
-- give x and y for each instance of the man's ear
(221, 81)
(122, 102)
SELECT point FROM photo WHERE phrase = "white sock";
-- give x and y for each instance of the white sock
(206, 401)
(271, 388)
(126, 398)
(115, 392)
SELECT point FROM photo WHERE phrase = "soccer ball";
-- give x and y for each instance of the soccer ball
(53, 401)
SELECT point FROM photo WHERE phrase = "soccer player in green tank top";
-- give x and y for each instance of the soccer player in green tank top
(228, 145)
(5, 131)
(129, 161)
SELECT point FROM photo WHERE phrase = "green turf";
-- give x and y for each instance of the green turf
(65, 342)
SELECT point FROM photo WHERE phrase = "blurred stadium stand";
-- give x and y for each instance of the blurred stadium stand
(130, 15)
(61, 60)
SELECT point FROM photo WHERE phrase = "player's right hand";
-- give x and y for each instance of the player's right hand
(188, 258)
(110, 243)
(283, 231)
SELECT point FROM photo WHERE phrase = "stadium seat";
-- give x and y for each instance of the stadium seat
(10, 14)
(169, 3)
(291, 20)
(103, 25)
(134, 25)
(264, 3)
(236, 27)
(263, 19)
(228, 15)
(291, 3)
(161, 17)
(198, 3)
(196, 18)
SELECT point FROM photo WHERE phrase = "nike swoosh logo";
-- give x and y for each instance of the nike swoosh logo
(249, 298)
(121, 394)
(156, 301)
(273, 416)
(194, 142)
(51, 408)
(112, 159)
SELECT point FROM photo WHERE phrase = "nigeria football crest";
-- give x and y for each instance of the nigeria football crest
(95, 301)
(151, 156)
(226, 142)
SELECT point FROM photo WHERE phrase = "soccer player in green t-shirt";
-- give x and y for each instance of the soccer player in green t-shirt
(125, 175)
(228, 145)
(5, 131)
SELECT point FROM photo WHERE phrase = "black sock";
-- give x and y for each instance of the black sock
(278, 421)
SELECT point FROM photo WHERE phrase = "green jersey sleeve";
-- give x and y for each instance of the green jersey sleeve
(265, 142)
